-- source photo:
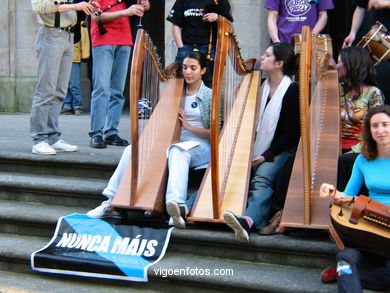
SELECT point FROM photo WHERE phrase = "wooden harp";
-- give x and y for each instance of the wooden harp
(155, 98)
(318, 149)
(235, 91)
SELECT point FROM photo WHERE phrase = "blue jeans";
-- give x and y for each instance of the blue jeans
(262, 187)
(352, 278)
(109, 71)
(183, 51)
(73, 97)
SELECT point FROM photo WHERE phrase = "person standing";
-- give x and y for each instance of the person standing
(379, 10)
(287, 17)
(54, 46)
(111, 46)
(193, 22)
(73, 102)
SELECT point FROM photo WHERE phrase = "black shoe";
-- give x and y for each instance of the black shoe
(116, 140)
(97, 142)
(239, 225)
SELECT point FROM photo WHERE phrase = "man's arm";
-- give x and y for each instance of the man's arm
(378, 4)
(45, 7)
(321, 22)
(271, 25)
(133, 10)
(176, 32)
(357, 20)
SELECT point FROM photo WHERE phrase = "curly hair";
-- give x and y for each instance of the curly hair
(369, 147)
(359, 69)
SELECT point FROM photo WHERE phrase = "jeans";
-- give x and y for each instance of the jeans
(200, 155)
(54, 55)
(183, 51)
(109, 71)
(179, 163)
(351, 279)
(262, 187)
(73, 98)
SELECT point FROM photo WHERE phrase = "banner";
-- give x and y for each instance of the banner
(84, 246)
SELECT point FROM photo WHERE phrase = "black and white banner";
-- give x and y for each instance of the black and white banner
(90, 247)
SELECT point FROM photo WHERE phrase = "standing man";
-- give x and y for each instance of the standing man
(193, 22)
(287, 17)
(54, 45)
(111, 47)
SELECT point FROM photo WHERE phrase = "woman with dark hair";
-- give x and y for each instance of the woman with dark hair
(373, 168)
(358, 93)
(277, 136)
(193, 149)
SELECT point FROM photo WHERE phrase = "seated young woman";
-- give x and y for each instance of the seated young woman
(372, 166)
(277, 136)
(358, 93)
(193, 149)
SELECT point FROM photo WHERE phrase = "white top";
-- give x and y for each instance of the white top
(193, 115)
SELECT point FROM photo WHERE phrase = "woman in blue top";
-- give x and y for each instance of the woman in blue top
(373, 168)
(193, 150)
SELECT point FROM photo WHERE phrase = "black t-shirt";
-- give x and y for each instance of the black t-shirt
(381, 15)
(187, 14)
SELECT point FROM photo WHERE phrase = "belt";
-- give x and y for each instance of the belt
(69, 29)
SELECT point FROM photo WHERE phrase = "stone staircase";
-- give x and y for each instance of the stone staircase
(35, 191)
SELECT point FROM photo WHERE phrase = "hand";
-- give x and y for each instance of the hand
(96, 4)
(378, 4)
(144, 3)
(183, 118)
(210, 17)
(349, 40)
(135, 10)
(86, 7)
(327, 190)
(258, 161)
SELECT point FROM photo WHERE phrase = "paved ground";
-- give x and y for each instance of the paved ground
(15, 138)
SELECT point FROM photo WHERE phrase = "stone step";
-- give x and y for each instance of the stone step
(192, 271)
(85, 163)
(67, 191)
(302, 250)
(32, 219)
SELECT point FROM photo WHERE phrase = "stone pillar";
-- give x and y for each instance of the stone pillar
(17, 56)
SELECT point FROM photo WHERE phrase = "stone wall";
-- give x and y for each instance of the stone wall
(18, 29)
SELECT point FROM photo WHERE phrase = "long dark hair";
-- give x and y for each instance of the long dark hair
(203, 62)
(369, 147)
(284, 52)
(359, 69)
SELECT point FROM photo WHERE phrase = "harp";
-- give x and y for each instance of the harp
(318, 149)
(235, 91)
(155, 98)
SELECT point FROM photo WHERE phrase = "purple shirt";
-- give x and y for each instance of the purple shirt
(293, 14)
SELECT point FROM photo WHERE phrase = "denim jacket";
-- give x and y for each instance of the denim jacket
(203, 96)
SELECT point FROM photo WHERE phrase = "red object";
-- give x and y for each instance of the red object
(329, 275)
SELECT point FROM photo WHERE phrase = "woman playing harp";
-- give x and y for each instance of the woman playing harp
(193, 149)
(277, 137)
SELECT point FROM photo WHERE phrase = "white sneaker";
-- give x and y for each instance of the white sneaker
(62, 146)
(43, 148)
(177, 213)
(101, 210)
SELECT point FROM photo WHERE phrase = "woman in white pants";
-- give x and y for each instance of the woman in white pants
(192, 150)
